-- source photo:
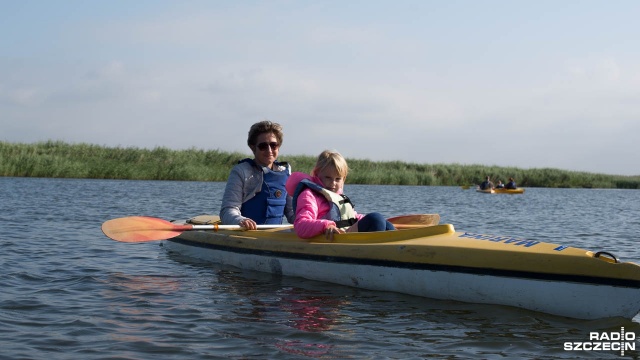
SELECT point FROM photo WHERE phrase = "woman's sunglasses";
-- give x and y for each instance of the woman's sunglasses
(264, 146)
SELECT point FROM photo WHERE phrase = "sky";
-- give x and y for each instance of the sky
(527, 84)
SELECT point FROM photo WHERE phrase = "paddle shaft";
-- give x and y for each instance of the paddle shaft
(224, 227)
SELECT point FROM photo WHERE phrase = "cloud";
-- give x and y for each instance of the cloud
(23, 96)
(599, 70)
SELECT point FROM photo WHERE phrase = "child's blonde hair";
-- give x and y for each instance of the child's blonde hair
(332, 159)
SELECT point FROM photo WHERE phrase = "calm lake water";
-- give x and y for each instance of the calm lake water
(69, 292)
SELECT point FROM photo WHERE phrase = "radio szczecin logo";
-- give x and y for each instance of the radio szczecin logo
(605, 341)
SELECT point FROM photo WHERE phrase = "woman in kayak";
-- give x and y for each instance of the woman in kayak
(320, 205)
(255, 192)
(511, 184)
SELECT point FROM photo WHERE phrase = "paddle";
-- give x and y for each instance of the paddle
(143, 228)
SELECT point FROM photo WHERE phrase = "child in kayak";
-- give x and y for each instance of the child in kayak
(320, 205)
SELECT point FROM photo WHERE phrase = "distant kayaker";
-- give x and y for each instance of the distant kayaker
(255, 192)
(487, 184)
(511, 184)
(500, 185)
(320, 205)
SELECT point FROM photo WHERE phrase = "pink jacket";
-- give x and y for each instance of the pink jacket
(311, 207)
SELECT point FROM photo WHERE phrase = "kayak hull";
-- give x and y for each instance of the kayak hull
(486, 191)
(437, 263)
(509, 191)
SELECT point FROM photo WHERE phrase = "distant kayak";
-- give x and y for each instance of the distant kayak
(502, 191)
(509, 191)
(486, 191)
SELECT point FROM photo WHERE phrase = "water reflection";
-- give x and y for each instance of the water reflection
(135, 305)
(270, 299)
(310, 313)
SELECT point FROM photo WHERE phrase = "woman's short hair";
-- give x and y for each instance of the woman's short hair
(262, 127)
(332, 159)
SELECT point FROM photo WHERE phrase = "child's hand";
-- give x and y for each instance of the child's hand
(330, 231)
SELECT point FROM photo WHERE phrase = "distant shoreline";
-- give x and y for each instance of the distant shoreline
(58, 159)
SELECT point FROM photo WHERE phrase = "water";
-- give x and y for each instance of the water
(68, 292)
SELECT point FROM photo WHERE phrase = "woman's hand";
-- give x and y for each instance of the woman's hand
(248, 224)
(330, 231)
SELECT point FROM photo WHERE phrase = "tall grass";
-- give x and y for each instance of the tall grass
(58, 159)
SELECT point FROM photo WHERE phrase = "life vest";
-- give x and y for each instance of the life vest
(342, 209)
(486, 185)
(267, 207)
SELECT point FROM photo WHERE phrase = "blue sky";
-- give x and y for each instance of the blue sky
(530, 84)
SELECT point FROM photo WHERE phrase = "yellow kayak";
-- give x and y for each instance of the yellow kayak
(509, 191)
(437, 262)
(502, 191)
(485, 191)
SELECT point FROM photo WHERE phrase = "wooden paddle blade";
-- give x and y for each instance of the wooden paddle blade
(141, 229)
(416, 219)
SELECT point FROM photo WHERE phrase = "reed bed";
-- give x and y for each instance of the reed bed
(57, 159)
